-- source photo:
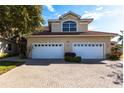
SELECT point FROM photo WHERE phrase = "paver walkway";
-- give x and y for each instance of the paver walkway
(58, 74)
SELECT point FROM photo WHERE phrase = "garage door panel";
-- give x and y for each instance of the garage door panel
(88, 51)
(48, 51)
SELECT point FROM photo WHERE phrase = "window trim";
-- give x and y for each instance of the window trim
(69, 20)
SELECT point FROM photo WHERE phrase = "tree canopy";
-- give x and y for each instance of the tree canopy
(18, 20)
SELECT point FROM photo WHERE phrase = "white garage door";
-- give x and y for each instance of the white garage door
(47, 50)
(89, 50)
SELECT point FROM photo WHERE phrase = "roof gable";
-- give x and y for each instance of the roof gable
(70, 13)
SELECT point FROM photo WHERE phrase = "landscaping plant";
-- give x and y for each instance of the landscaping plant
(71, 57)
(115, 53)
(5, 55)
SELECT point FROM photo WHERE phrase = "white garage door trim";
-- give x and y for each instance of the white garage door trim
(47, 50)
(90, 55)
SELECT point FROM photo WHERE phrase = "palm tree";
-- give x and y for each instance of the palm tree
(120, 39)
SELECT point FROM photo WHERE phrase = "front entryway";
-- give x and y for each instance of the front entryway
(89, 50)
(48, 50)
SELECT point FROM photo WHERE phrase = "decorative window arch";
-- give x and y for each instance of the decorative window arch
(69, 26)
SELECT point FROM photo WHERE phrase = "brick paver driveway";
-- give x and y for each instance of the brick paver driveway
(57, 73)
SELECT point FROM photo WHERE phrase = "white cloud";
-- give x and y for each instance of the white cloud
(99, 14)
(85, 11)
(50, 8)
(99, 8)
(92, 15)
(57, 14)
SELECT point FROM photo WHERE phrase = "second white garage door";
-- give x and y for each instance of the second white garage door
(47, 50)
(89, 50)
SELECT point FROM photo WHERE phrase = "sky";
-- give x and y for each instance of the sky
(106, 18)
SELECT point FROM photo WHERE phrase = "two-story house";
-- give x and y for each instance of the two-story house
(69, 33)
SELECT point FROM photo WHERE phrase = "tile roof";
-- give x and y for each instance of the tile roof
(96, 33)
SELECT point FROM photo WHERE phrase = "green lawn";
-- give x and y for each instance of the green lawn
(8, 65)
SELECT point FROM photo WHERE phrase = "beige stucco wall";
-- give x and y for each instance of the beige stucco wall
(57, 26)
(82, 27)
(68, 42)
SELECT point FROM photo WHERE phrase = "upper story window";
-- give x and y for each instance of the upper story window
(69, 26)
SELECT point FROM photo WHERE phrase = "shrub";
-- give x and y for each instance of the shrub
(115, 53)
(5, 55)
(114, 57)
(67, 58)
(118, 54)
(77, 59)
(73, 59)
(70, 54)
(114, 49)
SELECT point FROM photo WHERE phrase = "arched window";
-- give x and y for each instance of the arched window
(69, 26)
